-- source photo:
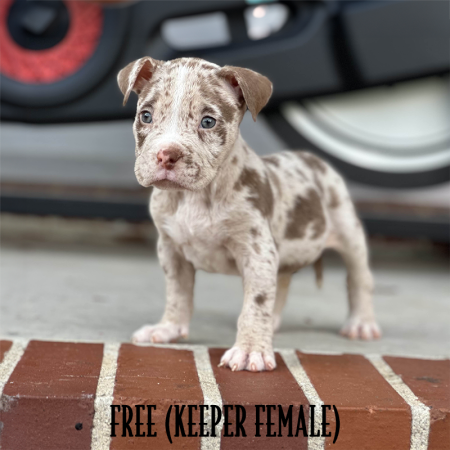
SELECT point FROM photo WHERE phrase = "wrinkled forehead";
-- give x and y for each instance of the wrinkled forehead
(186, 83)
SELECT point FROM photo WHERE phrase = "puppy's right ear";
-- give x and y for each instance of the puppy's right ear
(134, 76)
(253, 87)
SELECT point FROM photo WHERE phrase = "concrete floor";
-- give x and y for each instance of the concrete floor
(100, 288)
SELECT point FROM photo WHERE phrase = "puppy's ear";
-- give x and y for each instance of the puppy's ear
(134, 76)
(253, 87)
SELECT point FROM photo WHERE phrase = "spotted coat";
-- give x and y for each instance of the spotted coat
(221, 208)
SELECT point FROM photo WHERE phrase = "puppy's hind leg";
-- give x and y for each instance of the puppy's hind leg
(283, 282)
(349, 240)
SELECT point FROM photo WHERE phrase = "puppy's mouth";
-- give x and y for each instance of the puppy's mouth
(166, 179)
(167, 184)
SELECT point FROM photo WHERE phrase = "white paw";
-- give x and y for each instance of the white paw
(160, 333)
(360, 328)
(237, 359)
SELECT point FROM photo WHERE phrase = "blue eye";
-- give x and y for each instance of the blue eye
(208, 122)
(146, 117)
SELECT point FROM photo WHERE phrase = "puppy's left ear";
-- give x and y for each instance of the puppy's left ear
(253, 87)
(135, 75)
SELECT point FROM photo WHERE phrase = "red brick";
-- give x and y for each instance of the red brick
(51, 390)
(161, 377)
(430, 382)
(265, 388)
(4, 347)
(372, 415)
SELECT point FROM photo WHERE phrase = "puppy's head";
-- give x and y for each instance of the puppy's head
(188, 117)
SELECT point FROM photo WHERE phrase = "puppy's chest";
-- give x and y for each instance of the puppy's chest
(197, 235)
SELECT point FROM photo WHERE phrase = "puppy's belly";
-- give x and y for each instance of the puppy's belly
(210, 259)
(295, 254)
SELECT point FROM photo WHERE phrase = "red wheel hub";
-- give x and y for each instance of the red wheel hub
(58, 62)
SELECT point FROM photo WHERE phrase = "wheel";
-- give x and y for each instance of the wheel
(55, 51)
(389, 136)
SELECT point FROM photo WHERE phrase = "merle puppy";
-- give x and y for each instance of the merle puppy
(219, 207)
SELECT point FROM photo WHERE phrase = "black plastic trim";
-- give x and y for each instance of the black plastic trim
(407, 227)
(84, 208)
(398, 226)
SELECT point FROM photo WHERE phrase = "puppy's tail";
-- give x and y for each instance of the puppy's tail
(318, 270)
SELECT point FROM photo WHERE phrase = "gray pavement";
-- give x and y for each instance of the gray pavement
(100, 281)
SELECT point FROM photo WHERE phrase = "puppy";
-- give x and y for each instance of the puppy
(221, 208)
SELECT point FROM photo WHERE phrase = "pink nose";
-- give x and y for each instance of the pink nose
(167, 157)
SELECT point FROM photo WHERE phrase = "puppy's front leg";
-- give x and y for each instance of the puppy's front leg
(253, 349)
(180, 276)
